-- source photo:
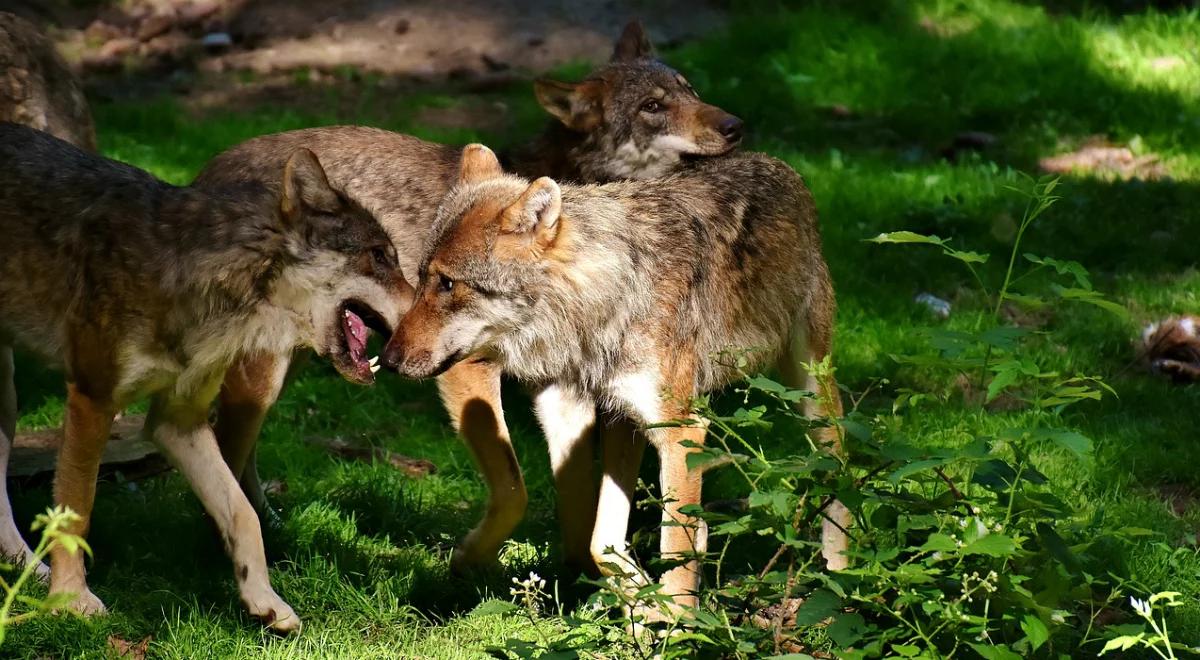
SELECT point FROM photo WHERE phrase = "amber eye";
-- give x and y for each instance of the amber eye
(445, 284)
(652, 106)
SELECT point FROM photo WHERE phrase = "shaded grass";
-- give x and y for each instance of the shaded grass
(362, 552)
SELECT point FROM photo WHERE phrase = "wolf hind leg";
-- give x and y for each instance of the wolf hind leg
(623, 447)
(810, 342)
(568, 420)
(12, 546)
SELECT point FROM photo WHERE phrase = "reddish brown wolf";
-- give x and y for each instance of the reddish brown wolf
(624, 296)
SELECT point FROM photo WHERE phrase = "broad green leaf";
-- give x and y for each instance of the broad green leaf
(491, 607)
(939, 543)
(992, 545)
(1035, 630)
(820, 605)
(906, 237)
(1122, 643)
(1092, 298)
(966, 256)
(1066, 267)
(995, 652)
(1077, 444)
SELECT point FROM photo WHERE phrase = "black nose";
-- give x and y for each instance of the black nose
(731, 128)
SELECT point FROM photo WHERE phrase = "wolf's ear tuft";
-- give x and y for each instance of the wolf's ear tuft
(478, 164)
(535, 212)
(576, 105)
(633, 44)
(306, 186)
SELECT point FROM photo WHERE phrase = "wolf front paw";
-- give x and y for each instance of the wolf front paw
(465, 561)
(274, 613)
(87, 604)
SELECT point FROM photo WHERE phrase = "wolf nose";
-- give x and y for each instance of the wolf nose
(731, 128)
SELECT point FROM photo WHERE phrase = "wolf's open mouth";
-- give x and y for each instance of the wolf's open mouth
(357, 320)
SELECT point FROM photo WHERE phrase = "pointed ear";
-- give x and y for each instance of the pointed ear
(576, 105)
(535, 213)
(478, 164)
(305, 186)
(633, 44)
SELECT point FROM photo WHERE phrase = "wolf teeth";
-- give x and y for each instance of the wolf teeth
(375, 360)
(374, 368)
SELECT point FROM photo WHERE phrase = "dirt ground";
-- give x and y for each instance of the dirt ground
(417, 39)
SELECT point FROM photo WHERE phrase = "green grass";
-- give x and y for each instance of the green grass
(362, 553)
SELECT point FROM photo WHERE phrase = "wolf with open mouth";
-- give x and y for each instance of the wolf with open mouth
(136, 288)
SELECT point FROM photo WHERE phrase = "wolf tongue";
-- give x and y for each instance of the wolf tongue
(356, 335)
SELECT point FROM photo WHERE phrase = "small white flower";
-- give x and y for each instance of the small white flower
(1141, 606)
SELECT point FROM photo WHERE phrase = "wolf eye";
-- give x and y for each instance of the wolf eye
(445, 284)
(652, 106)
(380, 256)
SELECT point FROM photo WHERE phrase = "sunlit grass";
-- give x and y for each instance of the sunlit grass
(363, 551)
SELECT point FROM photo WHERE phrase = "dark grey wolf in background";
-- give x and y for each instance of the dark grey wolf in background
(37, 88)
(624, 296)
(633, 117)
(136, 288)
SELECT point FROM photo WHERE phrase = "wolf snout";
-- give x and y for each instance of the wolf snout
(730, 128)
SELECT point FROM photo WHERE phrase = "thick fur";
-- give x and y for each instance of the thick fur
(37, 88)
(402, 180)
(626, 296)
(1172, 348)
(136, 288)
(633, 118)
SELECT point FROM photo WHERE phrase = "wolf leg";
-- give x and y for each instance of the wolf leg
(661, 398)
(811, 342)
(568, 420)
(471, 393)
(251, 387)
(623, 447)
(88, 422)
(181, 431)
(12, 546)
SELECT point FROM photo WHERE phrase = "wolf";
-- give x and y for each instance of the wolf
(136, 288)
(633, 117)
(37, 88)
(624, 296)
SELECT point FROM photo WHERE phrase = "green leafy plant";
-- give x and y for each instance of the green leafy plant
(992, 349)
(1158, 638)
(959, 549)
(52, 524)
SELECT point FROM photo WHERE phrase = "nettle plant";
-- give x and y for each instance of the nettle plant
(958, 550)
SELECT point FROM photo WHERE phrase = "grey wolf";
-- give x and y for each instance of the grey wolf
(135, 288)
(37, 88)
(623, 296)
(402, 180)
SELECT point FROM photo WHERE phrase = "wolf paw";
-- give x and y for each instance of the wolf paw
(274, 613)
(465, 562)
(88, 604)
